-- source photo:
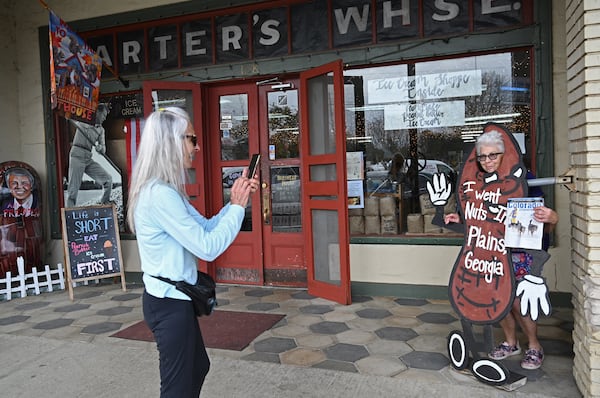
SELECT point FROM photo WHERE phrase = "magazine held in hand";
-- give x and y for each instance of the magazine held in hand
(522, 230)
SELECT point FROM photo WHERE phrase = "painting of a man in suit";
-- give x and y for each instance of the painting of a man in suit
(20, 223)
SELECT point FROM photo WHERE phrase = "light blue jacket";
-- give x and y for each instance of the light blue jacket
(171, 234)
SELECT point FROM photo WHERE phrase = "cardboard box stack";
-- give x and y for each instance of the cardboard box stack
(389, 219)
(372, 221)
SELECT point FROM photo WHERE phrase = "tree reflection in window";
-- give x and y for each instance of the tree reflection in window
(283, 123)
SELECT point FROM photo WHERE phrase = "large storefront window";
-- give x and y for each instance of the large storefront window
(407, 122)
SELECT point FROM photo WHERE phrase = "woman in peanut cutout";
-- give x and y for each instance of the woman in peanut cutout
(468, 298)
(482, 285)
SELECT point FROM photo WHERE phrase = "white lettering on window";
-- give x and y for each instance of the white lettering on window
(403, 12)
(488, 8)
(192, 40)
(103, 53)
(162, 45)
(131, 51)
(451, 11)
(425, 87)
(231, 36)
(271, 34)
(343, 21)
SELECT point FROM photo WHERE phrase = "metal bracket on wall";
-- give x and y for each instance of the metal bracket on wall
(566, 179)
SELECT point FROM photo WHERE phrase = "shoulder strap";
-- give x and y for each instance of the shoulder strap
(162, 278)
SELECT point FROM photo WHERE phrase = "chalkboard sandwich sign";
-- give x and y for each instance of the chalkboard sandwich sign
(92, 246)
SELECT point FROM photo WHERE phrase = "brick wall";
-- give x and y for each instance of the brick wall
(583, 100)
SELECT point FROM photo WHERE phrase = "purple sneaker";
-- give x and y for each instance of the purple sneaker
(533, 359)
(504, 350)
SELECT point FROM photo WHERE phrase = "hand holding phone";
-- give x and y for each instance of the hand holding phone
(253, 167)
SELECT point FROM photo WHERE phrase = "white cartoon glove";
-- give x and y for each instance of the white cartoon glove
(440, 191)
(535, 294)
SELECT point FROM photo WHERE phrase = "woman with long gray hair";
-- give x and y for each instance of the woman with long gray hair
(171, 235)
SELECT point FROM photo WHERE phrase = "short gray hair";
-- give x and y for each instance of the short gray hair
(19, 171)
(491, 138)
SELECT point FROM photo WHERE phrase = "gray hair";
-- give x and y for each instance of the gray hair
(491, 138)
(19, 171)
(160, 155)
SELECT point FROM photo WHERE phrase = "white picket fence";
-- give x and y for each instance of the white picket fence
(34, 282)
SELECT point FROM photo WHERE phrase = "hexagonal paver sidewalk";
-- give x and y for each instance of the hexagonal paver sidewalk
(383, 336)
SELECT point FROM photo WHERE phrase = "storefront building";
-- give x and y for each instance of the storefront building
(353, 106)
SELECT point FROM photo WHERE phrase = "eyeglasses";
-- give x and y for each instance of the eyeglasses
(491, 156)
(193, 138)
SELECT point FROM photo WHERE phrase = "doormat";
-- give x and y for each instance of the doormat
(227, 330)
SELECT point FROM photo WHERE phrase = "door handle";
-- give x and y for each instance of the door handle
(266, 209)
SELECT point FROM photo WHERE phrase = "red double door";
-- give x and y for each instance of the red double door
(295, 230)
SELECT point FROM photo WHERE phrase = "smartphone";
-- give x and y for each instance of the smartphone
(253, 167)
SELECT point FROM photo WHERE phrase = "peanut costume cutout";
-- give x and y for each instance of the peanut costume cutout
(481, 287)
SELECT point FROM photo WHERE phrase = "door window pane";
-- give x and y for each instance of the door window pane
(230, 174)
(322, 120)
(176, 98)
(323, 172)
(233, 126)
(283, 124)
(179, 98)
(326, 246)
(413, 120)
(285, 199)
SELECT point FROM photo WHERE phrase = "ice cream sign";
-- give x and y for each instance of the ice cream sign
(421, 101)
(424, 115)
(424, 87)
(91, 242)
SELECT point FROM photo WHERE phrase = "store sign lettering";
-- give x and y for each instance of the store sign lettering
(267, 31)
(126, 106)
(132, 108)
(193, 43)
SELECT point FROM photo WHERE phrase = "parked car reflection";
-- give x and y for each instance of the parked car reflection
(379, 181)
(285, 207)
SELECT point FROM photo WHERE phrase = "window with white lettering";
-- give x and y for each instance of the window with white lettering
(407, 122)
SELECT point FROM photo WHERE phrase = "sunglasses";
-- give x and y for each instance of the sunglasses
(491, 156)
(192, 138)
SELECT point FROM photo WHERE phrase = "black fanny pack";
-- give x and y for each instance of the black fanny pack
(203, 293)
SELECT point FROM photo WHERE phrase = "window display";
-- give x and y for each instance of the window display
(413, 120)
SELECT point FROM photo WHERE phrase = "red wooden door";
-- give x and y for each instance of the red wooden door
(232, 129)
(295, 232)
(282, 228)
(246, 118)
(324, 195)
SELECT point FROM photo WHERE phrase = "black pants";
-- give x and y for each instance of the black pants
(183, 359)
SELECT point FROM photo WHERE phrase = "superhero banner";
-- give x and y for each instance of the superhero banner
(74, 73)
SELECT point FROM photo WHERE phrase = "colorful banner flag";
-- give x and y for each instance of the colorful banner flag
(74, 73)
